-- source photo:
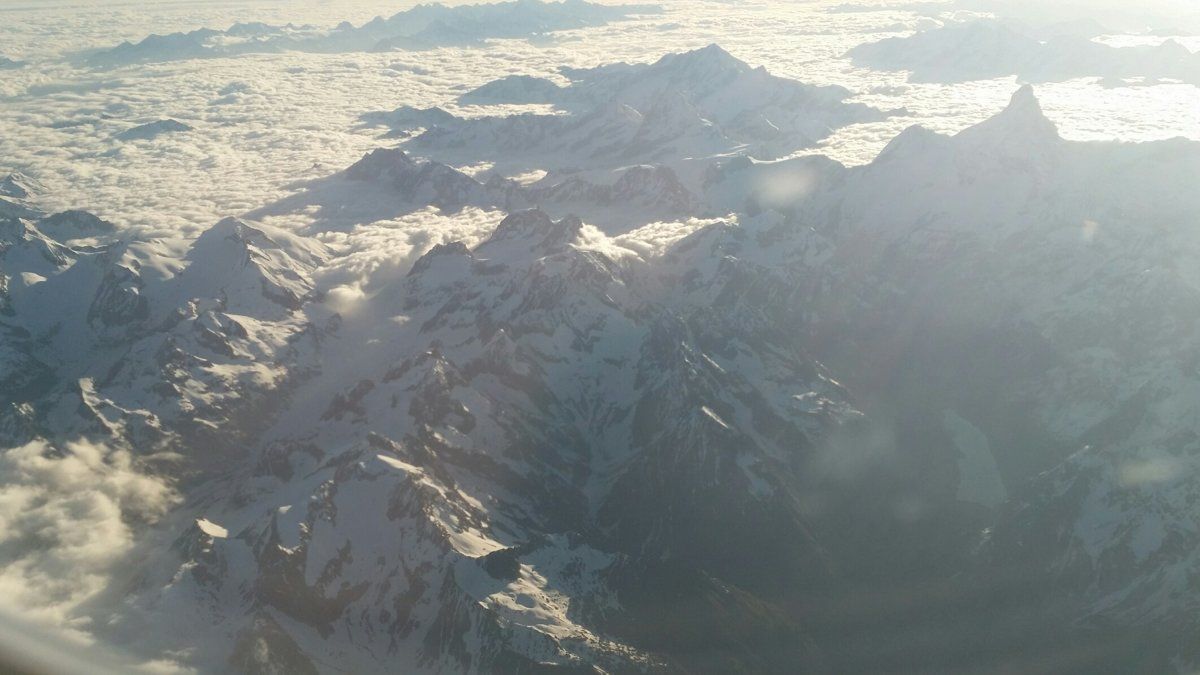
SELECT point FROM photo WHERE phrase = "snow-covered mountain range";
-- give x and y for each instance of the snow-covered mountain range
(989, 48)
(426, 26)
(746, 414)
(683, 106)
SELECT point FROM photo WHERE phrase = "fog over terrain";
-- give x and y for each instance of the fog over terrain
(582, 336)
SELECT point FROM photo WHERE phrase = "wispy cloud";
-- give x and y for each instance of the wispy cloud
(67, 520)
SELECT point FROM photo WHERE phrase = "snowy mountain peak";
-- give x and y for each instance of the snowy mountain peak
(1174, 49)
(440, 252)
(381, 163)
(234, 229)
(15, 230)
(1022, 121)
(1021, 129)
(19, 186)
(153, 130)
(915, 141)
(712, 54)
(243, 264)
(17, 194)
(537, 228)
(513, 89)
(1024, 102)
(76, 224)
(704, 63)
(266, 238)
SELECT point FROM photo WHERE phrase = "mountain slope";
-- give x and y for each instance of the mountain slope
(934, 413)
(689, 105)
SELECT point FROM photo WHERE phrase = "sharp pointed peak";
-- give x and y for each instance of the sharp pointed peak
(231, 225)
(714, 49)
(19, 186)
(243, 233)
(536, 226)
(229, 231)
(1025, 97)
(712, 58)
(381, 163)
(714, 52)
(1021, 118)
(523, 222)
(1025, 110)
(454, 249)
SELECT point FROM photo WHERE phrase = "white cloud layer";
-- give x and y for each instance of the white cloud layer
(264, 122)
(67, 518)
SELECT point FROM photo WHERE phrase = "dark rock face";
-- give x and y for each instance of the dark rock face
(119, 301)
(504, 564)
